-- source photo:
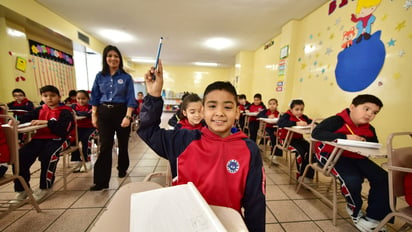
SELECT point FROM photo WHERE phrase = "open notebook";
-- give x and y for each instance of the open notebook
(177, 208)
(355, 143)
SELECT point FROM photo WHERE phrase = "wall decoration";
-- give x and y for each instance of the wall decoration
(284, 52)
(359, 64)
(21, 64)
(49, 53)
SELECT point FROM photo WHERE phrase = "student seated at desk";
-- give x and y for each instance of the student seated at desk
(85, 128)
(226, 167)
(243, 105)
(256, 107)
(271, 112)
(46, 143)
(351, 169)
(192, 113)
(295, 117)
(20, 103)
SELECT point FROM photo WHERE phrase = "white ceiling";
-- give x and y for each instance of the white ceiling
(185, 24)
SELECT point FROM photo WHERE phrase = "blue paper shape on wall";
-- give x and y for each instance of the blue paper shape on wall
(359, 65)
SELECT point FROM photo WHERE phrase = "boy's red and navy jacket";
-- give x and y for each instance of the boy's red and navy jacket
(23, 105)
(60, 121)
(255, 108)
(288, 120)
(4, 148)
(185, 124)
(227, 171)
(85, 111)
(335, 127)
(266, 113)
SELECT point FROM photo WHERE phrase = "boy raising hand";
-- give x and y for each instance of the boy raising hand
(225, 167)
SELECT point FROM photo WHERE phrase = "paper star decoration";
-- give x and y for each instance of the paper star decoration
(384, 17)
(303, 66)
(401, 53)
(400, 25)
(332, 36)
(396, 75)
(391, 42)
(328, 51)
(408, 3)
(337, 21)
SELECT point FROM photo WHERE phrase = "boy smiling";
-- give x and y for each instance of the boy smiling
(226, 168)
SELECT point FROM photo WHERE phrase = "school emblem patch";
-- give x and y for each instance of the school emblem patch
(120, 81)
(232, 166)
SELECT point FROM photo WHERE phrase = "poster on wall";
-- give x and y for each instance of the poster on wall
(47, 52)
(363, 53)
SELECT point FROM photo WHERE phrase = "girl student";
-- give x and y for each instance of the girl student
(85, 128)
(271, 112)
(191, 113)
(295, 117)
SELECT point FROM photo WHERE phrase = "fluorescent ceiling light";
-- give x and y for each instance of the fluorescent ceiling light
(206, 64)
(116, 35)
(15, 33)
(143, 60)
(218, 43)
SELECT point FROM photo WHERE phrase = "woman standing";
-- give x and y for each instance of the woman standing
(112, 105)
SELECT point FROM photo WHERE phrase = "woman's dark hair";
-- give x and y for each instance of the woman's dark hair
(365, 98)
(107, 49)
(221, 85)
(296, 102)
(83, 92)
(18, 91)
(49, 88)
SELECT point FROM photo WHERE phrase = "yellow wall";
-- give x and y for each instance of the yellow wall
(312, 76)
(187, 78)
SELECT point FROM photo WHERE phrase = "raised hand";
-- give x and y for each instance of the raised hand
(154, 87)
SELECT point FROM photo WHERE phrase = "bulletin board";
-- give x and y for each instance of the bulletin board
(52, 67)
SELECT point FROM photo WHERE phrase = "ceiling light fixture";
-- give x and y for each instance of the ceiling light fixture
(116, 35)
(218, 43)
(15, 33)
(206, 64)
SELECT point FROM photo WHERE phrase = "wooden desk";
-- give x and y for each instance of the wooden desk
(367, 152)
(269, 120)
(253, 114)
(28, 129)
(117, 215)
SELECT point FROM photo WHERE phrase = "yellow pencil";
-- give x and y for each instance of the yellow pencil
(350, 130)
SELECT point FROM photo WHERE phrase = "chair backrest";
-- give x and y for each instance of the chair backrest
(11, 137)
(399, 162)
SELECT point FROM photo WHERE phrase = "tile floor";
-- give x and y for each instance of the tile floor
(77, 208)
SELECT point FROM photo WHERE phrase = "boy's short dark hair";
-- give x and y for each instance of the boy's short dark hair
(18, 91)
(242, 96)
(295, 102)
(140, 92)
(367, 98)
(49, 88)
(72, 93)
(221, 85)
(258, 95)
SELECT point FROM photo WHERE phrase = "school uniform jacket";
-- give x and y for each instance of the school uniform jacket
(185, 124)
(60, 121)
(227, 171)
(4, 148)
(266, 113)
(255, 108)
(335, 127)
(23, 105)
(85, 111)
(288, 120)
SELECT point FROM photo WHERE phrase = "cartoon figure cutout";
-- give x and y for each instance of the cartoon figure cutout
(363, 57)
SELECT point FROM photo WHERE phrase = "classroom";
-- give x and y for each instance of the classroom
(312, 58)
